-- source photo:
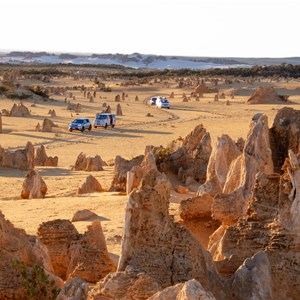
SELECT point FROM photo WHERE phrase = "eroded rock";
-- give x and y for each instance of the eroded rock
(90, 185)
(33, 186)
(42, 159)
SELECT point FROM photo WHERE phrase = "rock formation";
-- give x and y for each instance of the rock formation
(0, 122)
(84, 163)
(107, 110)
(16, 245)
(57, 236)
(90, 185)
(22, 159)
(286, 129)
(153, 242)
(119, 110)
(117, 98)
(122, 166)
(33, 186)
(88, 256)
(19, 111)
(78, 108)
(186, 157)
(266, 95)
(53, 114)
(38, 127)
(48, 125)
(41, 158)
(190, 290)
(256, 157)
(123, 285)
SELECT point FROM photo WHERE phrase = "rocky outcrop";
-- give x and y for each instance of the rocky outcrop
(76, 255)
(123, 285)
(19, 110)
(119, 110)
(88, 256)
(22, 159)
(84, 163)
(266, 95)
(187, 157)
(153, 242)
(91, 185)
(48, 125)
(286, 129)
(33, 186)
(189, 290)
(42, 159)
(122, 166)
(16, 245)
(256, 157)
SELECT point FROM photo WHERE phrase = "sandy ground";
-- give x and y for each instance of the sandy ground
(133, 132)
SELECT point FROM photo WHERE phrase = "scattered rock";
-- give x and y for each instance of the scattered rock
(19, 110)
(83, 215)
(48, 125)
(75, 289)
(41, 158)
(266, 95)
(84, 163)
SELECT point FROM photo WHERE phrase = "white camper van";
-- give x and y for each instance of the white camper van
(105, 120)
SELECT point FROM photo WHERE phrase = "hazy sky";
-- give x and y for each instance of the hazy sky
(179, 27)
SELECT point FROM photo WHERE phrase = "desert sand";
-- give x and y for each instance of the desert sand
(133, 132)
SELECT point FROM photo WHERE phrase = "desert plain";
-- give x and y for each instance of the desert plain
(140, 125)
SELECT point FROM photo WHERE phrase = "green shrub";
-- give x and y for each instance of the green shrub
(35, 281)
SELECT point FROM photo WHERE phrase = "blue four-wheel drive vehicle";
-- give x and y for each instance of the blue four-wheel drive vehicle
(80, 124)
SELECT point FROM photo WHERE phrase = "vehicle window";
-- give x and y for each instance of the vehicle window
(78, 121)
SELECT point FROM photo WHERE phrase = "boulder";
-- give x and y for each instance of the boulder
(75, 289)
(90, 185)
(17, 247)
(266, 95)
(48, 125)
(190, 290)
(123, 285)
(41, 158)
(84, 215)
(33, 186)
(153, 242)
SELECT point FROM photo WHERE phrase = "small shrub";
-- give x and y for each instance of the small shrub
(35, 281)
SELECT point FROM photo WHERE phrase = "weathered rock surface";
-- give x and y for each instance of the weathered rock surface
(266, 95)
(119, 110)
(89, 163)
(22, 159)
(15, 245)
(74, 289)
(122, 166)
(33, 186)
(256, 157)
(76, 255)
(42, 159)
(286, 129)
(190, 290)
(124, 285)
(153, 242)
(187, 157)
(19, 110)
(88, 256)
(90, 185)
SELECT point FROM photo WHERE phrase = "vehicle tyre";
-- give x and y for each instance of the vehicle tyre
(90, 127)
(82, 130)
(95, 126)
(112, 126)
(168, 107)
(105, 126)
(70, 130)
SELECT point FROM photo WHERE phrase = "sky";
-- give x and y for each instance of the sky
(228, 28)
